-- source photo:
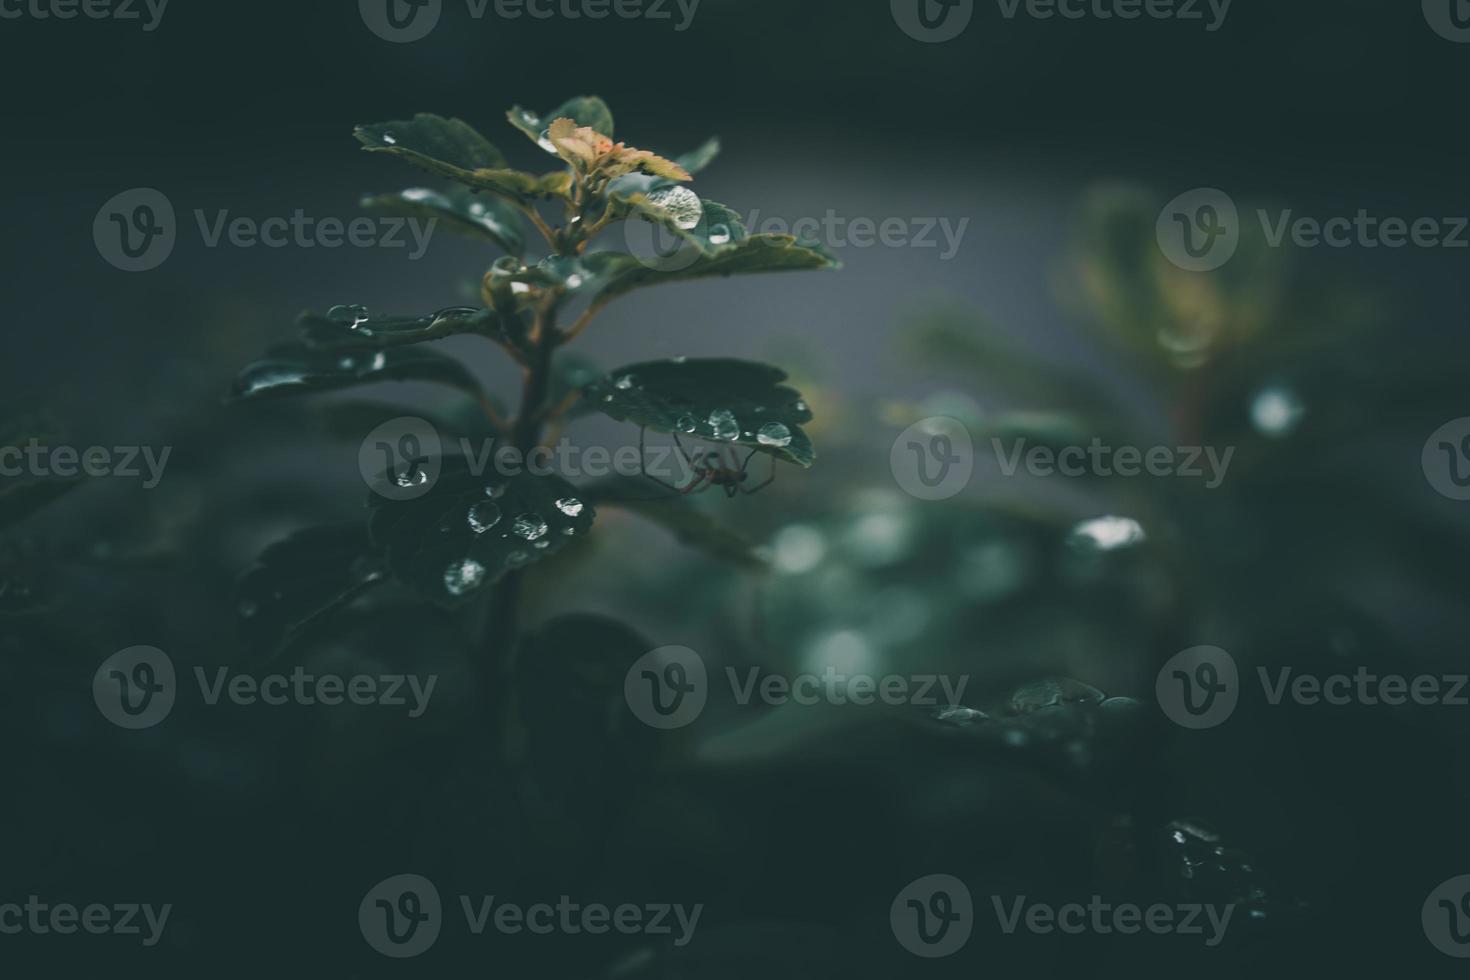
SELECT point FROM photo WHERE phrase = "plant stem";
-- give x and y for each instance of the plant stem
(501, 630)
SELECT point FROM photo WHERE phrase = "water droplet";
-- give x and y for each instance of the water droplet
(542, 545)
(724, 424)
(380, 361)
(575, 281)
(681, 359)
(544, 141)
(570, 506)
(800, 406)
(774, 434)
(351, 317)
(1276, 412)
(530, 526)
(483, 516)
(1053, 692)
(495, 491)
(1106, 534)
(519, 288)
(681, 204)
(412, 477)
(569, 531)
(346, 363)
(688, 424)
(625, 383)
(960, 716)
(390, 139)
(478, 209)
(719, 235)
(463, 576)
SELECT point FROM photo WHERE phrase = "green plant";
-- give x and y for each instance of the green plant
(441, 525)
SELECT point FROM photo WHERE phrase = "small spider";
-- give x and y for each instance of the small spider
(710, 468)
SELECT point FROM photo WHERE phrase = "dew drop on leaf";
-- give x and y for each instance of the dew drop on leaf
(688, 424)
(569, 506)
(530, 526)
(483, 516)
(464, 576)
(724, 424)
(774, 434)
(1106, 534)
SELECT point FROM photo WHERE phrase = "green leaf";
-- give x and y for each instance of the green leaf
(584, 110)
(459, 210)
(620, 273)
(353, 328)
(433, 543)
(450, 148)
(298, 582)
(691, 526)
(293, 369)
(719, 400)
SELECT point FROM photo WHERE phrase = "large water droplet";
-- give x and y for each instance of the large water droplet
(463, 576)
(544, 141)
(1106, 534)
(390, 139)
(351, 317)
(682, 205)
(1276, 412)
(774, 434)
(687, 424)
(483, 516)
(570, 506)
(411, 477)
(724, 424)
(719, 235)
(530, 526)
(1051, 693)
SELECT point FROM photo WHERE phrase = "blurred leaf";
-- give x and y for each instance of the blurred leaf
(469, 530)
(297, 370)
(719, 400)
(621, 273)
(301, 580)
(459, 210)
(691, 526)
(584, 110)
(353, 328)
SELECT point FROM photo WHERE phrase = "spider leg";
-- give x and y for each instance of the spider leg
(769, 480)
(643, 463)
